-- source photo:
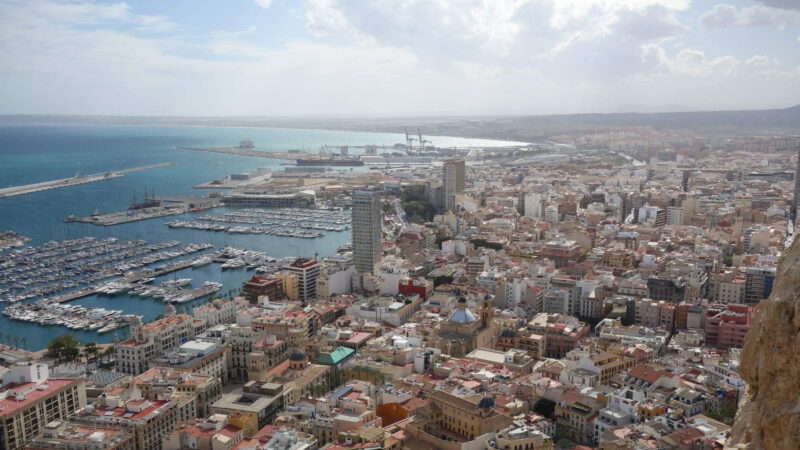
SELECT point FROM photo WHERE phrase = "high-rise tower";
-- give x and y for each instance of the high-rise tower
(454, 171)
(367, 244)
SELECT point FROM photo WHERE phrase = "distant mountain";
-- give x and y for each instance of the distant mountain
(522, 128)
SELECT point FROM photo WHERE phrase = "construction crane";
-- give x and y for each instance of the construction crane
(422, 142)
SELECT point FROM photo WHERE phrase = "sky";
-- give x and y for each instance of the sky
(379, 58)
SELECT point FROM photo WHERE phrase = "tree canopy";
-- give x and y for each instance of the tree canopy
(64, 348)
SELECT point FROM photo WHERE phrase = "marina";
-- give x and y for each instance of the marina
(73, 181)
(74, 317)
(288, 222)
(74, 266)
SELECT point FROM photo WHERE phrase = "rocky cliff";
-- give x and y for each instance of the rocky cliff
(769, 414)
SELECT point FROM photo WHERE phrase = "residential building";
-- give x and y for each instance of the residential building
(307, 270)
(367, 241)
(152, 340)
(32, 400)
(454, 172)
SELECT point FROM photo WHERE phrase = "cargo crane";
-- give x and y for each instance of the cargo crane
(422, 142)
(409, 140)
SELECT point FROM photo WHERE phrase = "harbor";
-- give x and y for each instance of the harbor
(73, 181)
(68, 269)
(86, 149)
(152, 208)
(286, 222)
(74, 317)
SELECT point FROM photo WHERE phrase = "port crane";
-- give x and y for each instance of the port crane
(409, 140)
(422, 142)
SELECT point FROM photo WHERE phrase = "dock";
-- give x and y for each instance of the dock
(178, 205)
(298, 157)
(131, 278)
(288, 155)
(74, 181)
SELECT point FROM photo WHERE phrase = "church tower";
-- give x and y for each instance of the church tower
(487, 311)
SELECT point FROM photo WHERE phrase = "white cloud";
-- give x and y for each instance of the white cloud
(323, 17)
(729, 16)
(263, 3)
(690, 62)
(760, 61)
(381, 57)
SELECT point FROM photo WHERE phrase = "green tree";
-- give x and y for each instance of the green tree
(487, 244)
(64, 348)
(442, 279)
(90, 350)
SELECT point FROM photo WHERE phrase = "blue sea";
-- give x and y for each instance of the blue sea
(30, 154)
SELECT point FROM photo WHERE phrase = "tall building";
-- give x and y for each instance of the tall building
(367, 248)
(453, 182)
(31, 400)
(758, 283)
(307, 271)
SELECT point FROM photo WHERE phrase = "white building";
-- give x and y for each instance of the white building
(216, 312)
(533, 205)
(152, 340)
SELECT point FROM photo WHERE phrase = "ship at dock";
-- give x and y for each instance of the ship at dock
(339, 162)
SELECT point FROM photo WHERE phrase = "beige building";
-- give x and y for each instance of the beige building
(148, 420)
(462, 332)
(157, 382)
(64, 435)
(32, 400)
(152, 340)
(203, 358)
(450, 418)
(454, 174)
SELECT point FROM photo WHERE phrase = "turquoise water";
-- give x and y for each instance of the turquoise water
(30, 154)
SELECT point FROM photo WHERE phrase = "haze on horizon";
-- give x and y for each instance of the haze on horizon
(396, 58)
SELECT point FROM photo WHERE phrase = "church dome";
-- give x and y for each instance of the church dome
(462, 316)
(297, 356)
(486, 403)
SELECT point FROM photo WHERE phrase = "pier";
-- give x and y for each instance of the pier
(177, 205)
(288, 155)
(131, 278)
(300, 157)
(74, 181)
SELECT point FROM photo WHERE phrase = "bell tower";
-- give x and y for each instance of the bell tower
(487, 311)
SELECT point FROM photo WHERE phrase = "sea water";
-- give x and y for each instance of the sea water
(35, 153)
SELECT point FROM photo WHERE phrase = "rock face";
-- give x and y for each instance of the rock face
(769, 414)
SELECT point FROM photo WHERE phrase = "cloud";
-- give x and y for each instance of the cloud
(379, 57)
(759, 61)
(263, 3)
(785, 4)
(728, 16)
(690, 62)
(323, 18)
